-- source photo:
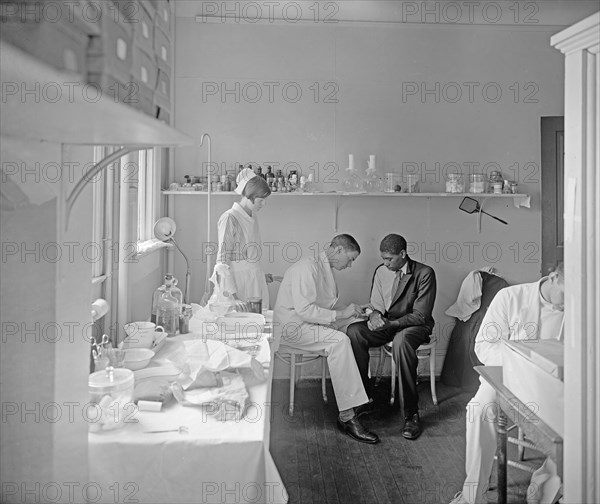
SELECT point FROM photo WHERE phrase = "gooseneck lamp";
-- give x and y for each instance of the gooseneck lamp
(164, 230)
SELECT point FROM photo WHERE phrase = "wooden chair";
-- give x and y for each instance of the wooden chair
(298, 358)
(426, 351)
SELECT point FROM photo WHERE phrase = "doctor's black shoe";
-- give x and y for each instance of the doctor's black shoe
(355, 429)
(412, 427)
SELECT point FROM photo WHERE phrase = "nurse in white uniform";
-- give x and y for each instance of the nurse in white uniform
(240, 246)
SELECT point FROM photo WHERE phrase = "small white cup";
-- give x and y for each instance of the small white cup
(141, 334)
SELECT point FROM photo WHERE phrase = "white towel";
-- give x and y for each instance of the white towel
(469, 296)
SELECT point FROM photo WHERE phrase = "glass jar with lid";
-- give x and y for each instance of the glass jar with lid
(477, 183)
(496, 182)
(454, 183)
(111, 390)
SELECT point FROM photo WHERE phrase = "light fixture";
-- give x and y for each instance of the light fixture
(164, 230)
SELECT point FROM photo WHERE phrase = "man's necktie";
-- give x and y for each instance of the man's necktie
(397, 279)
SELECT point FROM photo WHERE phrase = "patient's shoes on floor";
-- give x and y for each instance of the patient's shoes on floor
(356, 430)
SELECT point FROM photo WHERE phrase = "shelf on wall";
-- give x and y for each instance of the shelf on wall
(518, 199)
(42, 103)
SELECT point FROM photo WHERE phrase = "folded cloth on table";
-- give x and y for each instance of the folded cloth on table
(226, 402)
(201, 362)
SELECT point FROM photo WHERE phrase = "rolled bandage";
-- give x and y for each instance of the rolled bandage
(149, 405)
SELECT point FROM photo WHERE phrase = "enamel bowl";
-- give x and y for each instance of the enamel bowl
(137, 358)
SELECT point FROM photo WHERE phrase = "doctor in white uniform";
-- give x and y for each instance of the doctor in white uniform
(519, 312)
(307, 316)
(240, 246)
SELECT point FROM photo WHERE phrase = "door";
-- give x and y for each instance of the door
(553, 151)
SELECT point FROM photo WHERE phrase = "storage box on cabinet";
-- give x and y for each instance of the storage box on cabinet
(162, 93)
(126, 93)
(144, 75)
(83, 15)
(60, 44)
(144, 30)
(162, 49)
(162, 19)
(110, 58)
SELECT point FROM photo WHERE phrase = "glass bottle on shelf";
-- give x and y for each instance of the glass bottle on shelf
(157, 295)
(269, 175)
(184, 319)
(302, 186)
(352, 181)
(310, 186)
(496, 182)
(281, 185)
(168, 311)
(373, 183)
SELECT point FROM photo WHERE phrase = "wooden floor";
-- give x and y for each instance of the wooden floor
(319, 464)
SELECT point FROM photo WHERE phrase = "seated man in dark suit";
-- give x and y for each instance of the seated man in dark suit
(402, 297)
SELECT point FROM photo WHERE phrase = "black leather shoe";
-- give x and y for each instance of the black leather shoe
(365, 409)
(355, 429)
(412, 427)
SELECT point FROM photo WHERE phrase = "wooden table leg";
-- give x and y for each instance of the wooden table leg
(501, 425)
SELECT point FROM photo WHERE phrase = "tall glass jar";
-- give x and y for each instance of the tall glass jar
(392, 182)
(412, 183)
(477, 183)
(157, 295)
(168, 312)
(454, 183)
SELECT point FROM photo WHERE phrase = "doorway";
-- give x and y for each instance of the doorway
(553, 176)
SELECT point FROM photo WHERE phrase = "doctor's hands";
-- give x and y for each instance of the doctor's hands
(352, 310)
(270, 278)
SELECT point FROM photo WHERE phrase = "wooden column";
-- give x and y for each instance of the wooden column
(580, 44)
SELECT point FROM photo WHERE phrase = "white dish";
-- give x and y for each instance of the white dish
(243, 317)
(134, 341)
(240, 326)
(137, 358)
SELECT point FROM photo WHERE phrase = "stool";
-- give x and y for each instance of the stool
(425, 351)
(296, 357)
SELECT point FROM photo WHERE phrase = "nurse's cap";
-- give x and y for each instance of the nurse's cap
(242, 179)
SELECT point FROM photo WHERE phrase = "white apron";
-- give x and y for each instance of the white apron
(248, 277)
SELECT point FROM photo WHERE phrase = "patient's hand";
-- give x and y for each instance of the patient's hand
(376, 321)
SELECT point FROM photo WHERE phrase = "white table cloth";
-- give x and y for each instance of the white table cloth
(216, 462)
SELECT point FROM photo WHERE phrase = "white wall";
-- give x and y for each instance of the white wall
(45, 319)
(370, 64)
